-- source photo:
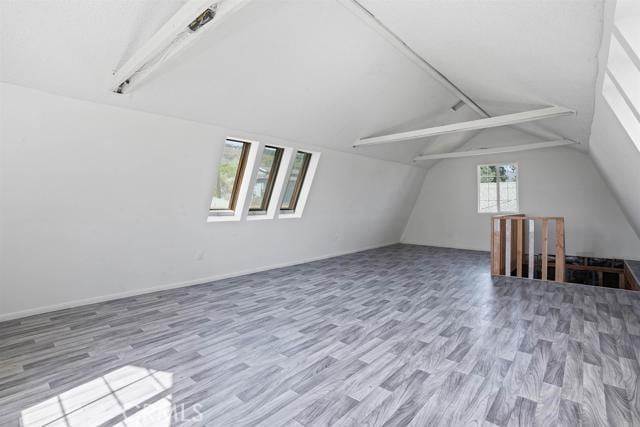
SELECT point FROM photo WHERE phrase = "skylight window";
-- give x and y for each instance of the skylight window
(265, 180)
(230, 176)
(295, 182)
(498, 188)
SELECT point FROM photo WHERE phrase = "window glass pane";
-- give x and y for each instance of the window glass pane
(488, 196)
(509, 173)
(494, 199)
(488, 170)
(230, 164)
(294, 183)
(267, 170)
(508, 200)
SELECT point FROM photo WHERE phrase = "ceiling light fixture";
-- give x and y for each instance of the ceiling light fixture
(203, 19)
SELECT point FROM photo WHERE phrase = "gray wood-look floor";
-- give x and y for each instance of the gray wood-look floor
(402, 335)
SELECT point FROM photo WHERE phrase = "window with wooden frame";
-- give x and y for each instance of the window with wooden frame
(296, 180)
(265, 179)
(230, 175)
(498, 188)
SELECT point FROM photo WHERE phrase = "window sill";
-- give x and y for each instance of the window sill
(215, 217)
(501, 213)
(258, 216)
(221, 212)
(289, 215)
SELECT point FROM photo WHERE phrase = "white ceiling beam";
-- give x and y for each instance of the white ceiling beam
(171, 38)
(496, 150)
(374, 23)
(490, 122)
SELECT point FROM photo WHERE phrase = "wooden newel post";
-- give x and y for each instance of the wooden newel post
(496, 247)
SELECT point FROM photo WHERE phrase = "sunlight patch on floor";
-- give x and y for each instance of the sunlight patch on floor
(117, 394)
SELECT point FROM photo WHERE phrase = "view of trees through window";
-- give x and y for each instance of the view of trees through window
(498, 188)
(231, 170)
(229, 175)
(295, 181)
(267, 172)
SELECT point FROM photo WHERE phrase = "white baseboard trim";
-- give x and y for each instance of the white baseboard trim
(93, 300)
(445, 246)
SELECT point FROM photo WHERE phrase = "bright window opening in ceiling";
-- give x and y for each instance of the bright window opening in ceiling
(621, 87)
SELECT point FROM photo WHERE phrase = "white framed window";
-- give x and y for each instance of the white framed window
(295, 182)
(298, 183)
(237, 160)
(498, 188)
(231, 173)
(265, 180)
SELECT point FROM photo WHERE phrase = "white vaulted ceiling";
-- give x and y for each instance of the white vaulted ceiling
(312, 71)
(509, 55)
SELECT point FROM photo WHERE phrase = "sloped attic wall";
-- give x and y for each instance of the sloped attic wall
(552, 182)
(618, 159)
(98, 201)
(615, 142)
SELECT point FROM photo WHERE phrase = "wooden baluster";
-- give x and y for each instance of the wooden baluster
(520, 248)
(492, 240)
(560, 250)
(507, 244)
(503, 244)
(545, 248)
(532, 247)
(497, 250)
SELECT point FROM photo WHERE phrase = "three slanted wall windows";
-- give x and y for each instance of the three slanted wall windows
(237, 164)
(498, 188)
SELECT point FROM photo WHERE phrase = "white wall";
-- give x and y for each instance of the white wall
(611, 145)
(553, 182)
(99, 201)
(618, 159)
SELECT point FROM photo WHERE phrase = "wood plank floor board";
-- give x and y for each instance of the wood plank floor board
(400, 335)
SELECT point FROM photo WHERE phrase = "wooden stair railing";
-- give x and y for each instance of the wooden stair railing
(513, 239)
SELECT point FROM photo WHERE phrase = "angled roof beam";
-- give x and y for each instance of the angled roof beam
(496, 150)
(195, 17)
(370, 19)
(491, 122)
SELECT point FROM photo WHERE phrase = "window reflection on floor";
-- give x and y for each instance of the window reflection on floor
(128, 396)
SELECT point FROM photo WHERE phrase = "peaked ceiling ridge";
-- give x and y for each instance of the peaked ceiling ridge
(366, 16)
